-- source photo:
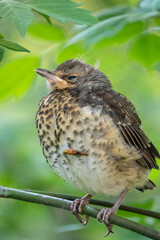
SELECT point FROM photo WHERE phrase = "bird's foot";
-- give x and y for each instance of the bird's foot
(103, 216)
(77, 208)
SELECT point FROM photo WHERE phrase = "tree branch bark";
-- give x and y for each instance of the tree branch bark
(123, 207)
(66, 204)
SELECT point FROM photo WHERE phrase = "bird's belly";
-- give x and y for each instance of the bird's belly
(95, 175)
(90, 174)
(110, 166)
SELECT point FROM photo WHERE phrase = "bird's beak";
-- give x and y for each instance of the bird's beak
(54, 80)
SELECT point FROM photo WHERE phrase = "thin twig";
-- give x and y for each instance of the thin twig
(66, 204)
(141, 211)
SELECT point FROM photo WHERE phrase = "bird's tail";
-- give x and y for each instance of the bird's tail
(149, 185)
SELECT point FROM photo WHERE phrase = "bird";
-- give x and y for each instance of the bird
(91, 136)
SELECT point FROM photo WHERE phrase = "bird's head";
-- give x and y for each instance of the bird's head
(74, 74)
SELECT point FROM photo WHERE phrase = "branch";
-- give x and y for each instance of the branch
(141, 211)
(66, 204)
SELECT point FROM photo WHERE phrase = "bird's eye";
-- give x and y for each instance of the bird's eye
(71, 77)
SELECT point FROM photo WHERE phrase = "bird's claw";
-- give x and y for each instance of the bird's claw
(103, 216)
(77, 208)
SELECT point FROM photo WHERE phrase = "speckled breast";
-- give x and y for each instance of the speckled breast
(62, 124)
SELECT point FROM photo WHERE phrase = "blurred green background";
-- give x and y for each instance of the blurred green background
(22, 164)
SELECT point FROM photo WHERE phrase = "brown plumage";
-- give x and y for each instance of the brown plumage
(91, 135)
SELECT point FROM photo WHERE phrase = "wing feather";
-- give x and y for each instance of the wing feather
(123, 113)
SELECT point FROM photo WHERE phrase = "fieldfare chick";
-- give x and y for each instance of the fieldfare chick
(91, 136)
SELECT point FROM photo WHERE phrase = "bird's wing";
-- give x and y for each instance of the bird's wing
(123, 113)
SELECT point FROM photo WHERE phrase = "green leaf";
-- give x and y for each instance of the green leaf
(145, 49)
(111, 26)
(17, 13)
(112, 30)
(1, 54)
(1, 36)
(150, 4)
(46, 17)
(12, 46)
(106, 28)
(62, 10)
(17, 76)
(111, 12)
(130, 30)
(154, 29)
(156, 66)
(45, 31)
(140, 14)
